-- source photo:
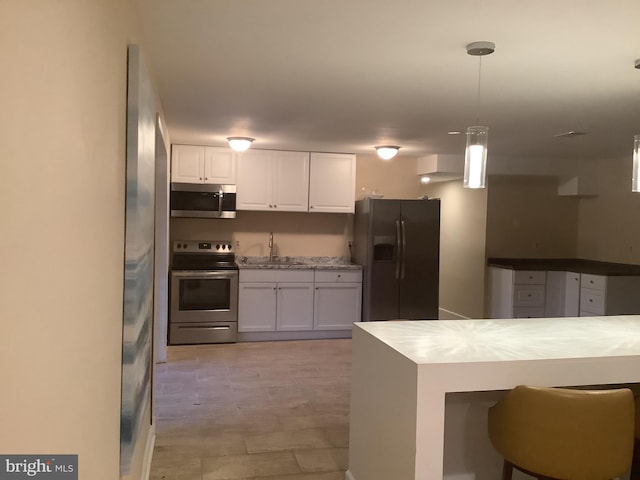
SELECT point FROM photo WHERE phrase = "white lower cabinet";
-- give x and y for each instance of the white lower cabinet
(516, 294)
(298, 300)
(563, 294)
(338, 299)
(257, 307)
(294, 310)
(275, 300)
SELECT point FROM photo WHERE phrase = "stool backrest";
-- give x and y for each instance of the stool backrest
(565, 433)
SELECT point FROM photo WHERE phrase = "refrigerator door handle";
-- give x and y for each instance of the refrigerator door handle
(399, 251)
(404, 249)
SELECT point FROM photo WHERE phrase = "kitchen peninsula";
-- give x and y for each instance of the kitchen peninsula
(404, 373)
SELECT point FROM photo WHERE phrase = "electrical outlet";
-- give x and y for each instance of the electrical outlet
(237, 243)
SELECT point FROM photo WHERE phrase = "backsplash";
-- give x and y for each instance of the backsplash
(294, 234)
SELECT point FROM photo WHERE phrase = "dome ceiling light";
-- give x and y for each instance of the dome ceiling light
(240, 144)
(387, 152)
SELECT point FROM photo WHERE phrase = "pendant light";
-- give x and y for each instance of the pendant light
(635, 177)
(240, 144)
(475, 156)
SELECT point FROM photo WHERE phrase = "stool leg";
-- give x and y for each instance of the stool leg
(507, 470)
(635, 465)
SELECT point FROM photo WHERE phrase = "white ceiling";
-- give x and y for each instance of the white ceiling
(345, 75)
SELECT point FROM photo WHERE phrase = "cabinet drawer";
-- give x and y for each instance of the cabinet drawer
(528, 312)
(528, 296)
(597, 282)
(276, 275)
(338, 276)
(592, 300)
(529, 277)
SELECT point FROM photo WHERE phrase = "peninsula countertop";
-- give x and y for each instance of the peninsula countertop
(403, 372)
(576, 265)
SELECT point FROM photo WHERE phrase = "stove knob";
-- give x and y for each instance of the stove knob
(229, 246)
(218, 247)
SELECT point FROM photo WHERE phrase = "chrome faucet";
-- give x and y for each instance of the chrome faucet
(271, 247)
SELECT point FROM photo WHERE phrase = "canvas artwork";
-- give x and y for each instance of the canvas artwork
(139, 255)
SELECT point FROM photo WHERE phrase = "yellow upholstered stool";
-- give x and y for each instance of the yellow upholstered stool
(561, 433)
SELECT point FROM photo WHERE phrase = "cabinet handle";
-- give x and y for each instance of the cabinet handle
(310, 206)
(206, 178)
(270, 206)
(275, 206)
(200, 178)
(590, 300)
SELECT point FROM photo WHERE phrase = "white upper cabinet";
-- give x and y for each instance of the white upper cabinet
(272, 180)
(200, 164)
(332, 182)
(291, 181)
(187, 164)
(220, 165)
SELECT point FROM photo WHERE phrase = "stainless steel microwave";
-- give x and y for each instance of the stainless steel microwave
(203, 200)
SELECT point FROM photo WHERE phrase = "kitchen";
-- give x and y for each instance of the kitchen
(84, 155)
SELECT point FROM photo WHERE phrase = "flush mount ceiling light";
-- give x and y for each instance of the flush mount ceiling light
(387, 152)
(475, 156)
(240, 144)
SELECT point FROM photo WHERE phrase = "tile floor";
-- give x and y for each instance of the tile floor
(259, 411)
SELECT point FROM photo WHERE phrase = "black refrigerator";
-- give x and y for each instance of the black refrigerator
(398, 244)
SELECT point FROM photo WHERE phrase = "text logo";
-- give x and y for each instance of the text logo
(49, 467)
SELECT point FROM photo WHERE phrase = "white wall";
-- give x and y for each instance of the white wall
(62, 132)
(527, 218)
(609, 229)
(462, 247)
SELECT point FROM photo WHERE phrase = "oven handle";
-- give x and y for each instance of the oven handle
(195, 274)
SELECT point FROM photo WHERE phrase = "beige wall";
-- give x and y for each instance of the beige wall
(462, 247)
(395, 178)
(609, 229)
(527, 218)
(62, 126)
(295, 234)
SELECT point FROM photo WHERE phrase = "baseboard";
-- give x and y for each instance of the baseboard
(444, 314)
(148, 452)
(348, 475)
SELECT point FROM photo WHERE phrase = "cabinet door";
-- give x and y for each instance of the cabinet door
(572, 294)
(294, 306)
(336, 305)
(291, 181)
(257, 307)
(254, 180)
(219, 165)
(187, 164)
(332, 182)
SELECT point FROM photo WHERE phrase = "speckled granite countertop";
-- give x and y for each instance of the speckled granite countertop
(330, 263)
(576, 265)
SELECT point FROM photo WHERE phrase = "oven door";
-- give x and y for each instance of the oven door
(204, 296)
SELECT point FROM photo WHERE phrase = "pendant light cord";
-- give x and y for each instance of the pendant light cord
(479, 83)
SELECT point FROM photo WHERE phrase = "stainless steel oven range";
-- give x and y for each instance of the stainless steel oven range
(204, 293)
